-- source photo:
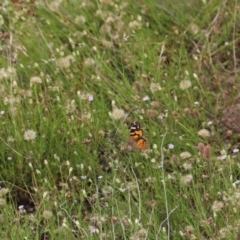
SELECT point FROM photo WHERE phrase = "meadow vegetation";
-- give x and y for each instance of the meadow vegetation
(74, 75)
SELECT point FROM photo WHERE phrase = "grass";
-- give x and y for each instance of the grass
(74, 76)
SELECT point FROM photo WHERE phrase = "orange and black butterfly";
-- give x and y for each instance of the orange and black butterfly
(136, 136)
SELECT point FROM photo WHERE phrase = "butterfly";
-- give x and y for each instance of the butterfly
(136, 136)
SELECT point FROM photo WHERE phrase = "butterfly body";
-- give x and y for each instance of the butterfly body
(136, 136)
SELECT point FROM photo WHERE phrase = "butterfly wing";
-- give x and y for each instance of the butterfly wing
(136, 136)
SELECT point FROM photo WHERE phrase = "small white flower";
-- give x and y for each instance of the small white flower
(185, 155)
(161, 116)
(209, 123)
(154, 87)
(236, 150)
(45, 194)
(135, 25)
(217, 206)
(93, 230)
(185, 84)
(35, 80)
(10, 139)
(195, 75)
(187, 179)
(146, 98)
(153, 160)
(65, 62)
(187, 166)
(3, 191)
(77, 223)
(3, 73)
(117, 113)
(222, 157)
(47, 214)
(80, 20)
(20, 207)
(89, 62)
(204, 133)
(90, 98)
(236, 183)
(30, 135)
(223, 152)
(170, 146)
